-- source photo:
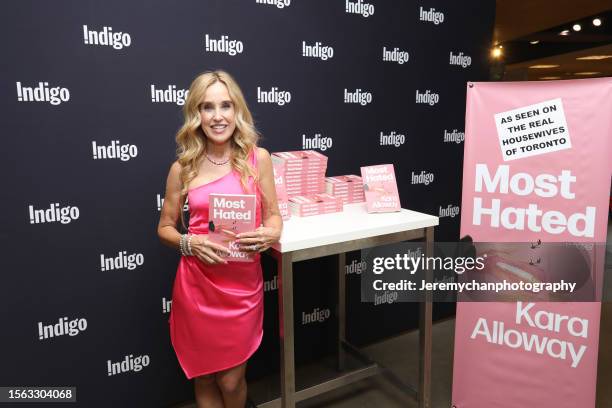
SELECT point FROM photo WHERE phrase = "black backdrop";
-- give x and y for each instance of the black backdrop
(67, 210)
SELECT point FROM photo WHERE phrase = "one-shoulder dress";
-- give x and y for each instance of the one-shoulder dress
(216, 319)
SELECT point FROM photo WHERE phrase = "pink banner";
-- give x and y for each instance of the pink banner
(537, 166)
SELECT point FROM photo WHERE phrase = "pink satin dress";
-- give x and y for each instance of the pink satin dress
(216, 319)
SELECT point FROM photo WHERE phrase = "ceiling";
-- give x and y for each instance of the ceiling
(520, 21)
(518, 18)
(567, 68)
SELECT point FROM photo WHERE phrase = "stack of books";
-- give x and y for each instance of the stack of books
(281, 190)
(323, 203)
(304, 171)
(349, 188)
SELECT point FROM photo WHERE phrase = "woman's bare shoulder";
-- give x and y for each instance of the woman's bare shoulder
(262, 154)
(176, 167)
(174, 175)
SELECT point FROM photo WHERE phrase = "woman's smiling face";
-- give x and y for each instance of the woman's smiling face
(218, 114)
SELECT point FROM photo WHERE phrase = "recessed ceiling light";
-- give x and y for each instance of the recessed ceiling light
(594, 57)
(577, 27)
(550, 77)
(544, 66)
(587, 73)
(596, 22)
(534, 42)
(564, 32)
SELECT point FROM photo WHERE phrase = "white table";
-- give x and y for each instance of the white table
(330, 234)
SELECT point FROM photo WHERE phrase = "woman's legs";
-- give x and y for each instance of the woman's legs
(207, 392)
(233, 386)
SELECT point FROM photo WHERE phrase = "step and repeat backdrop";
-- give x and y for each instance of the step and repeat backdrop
(91, 95)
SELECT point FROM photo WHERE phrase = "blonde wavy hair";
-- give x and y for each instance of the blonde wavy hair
(191, 139)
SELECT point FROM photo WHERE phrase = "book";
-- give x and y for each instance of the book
(323, 203)
(380, 188)
(304, 171)
(281, 190)
(228, 216)
(349, 188)
(301, 160)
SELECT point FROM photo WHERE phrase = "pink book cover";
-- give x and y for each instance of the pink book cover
(306, 189)
(380, 188)
(329, 199)
(305, 164)
(303, 206)
(354, 183)
(319, 181)
(313, 156)
(333, 180)
(301, 159)
(305, 176)
(299, 211)
(293, 169)
(349, 184)
(350, 199)
(230, 215)
(305, 171)
(345, 194)
(336, 189)
(307, 184)
(315, 188)
(302, 193)
(330, 203)
(302, 200)
(311, 189)
(281, 190)
(307, 205)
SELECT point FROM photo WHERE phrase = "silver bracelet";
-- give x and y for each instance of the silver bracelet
(182, 245)
(189, 245)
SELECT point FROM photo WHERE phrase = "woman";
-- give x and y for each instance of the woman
(217, 306)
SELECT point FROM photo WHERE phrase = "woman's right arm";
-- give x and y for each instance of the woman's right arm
(170, 212)
(169, 218)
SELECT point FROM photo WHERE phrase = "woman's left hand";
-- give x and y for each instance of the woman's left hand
(259, 240)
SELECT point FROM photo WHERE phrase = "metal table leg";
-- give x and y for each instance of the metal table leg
(425, 337)
(285, 309)
(341, 309)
